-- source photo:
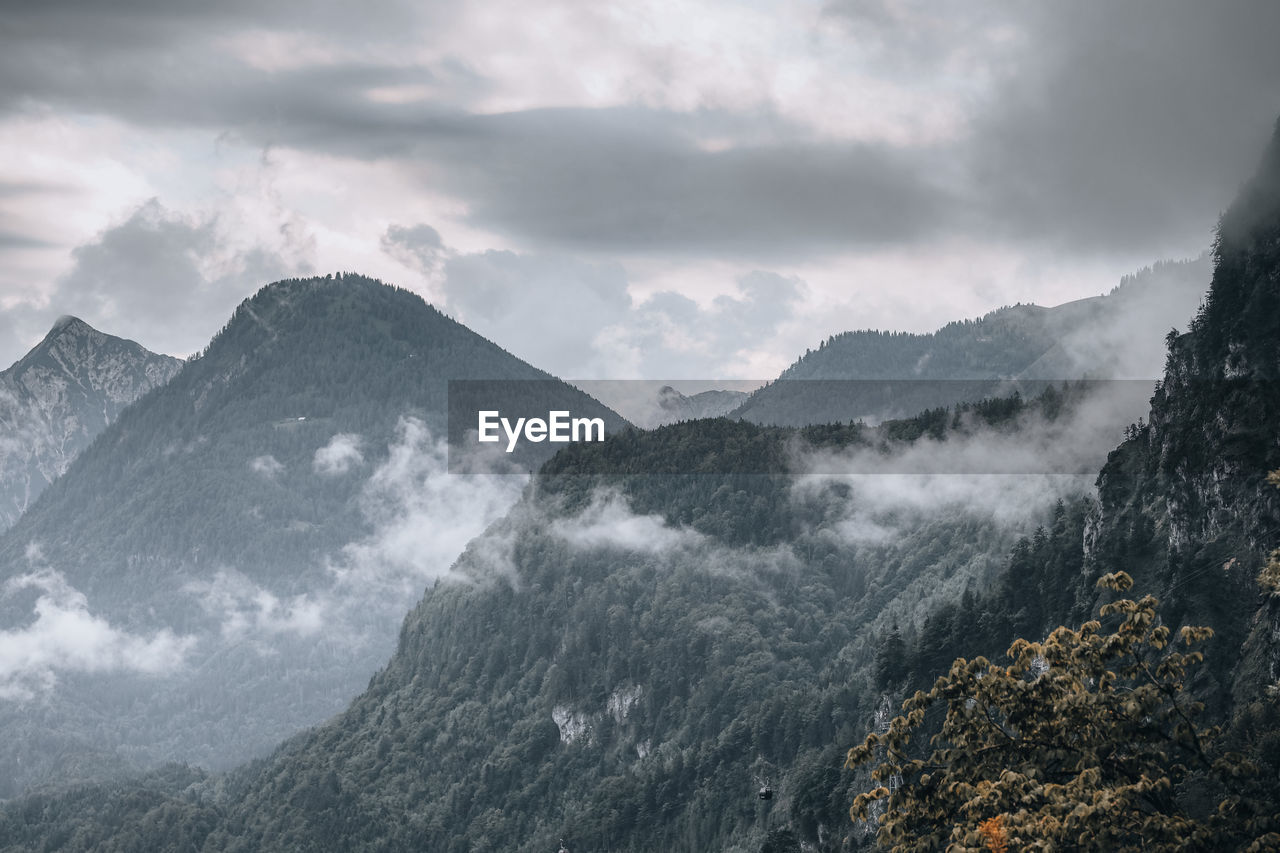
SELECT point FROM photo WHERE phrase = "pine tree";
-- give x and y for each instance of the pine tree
(891, 659)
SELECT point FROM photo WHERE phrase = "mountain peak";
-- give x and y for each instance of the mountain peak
(64, 321)
(67, 326)
(63, 335)
(1237, 331)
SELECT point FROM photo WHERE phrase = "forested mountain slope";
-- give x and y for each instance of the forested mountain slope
(58, 397)
(235, 543)
(635, 648)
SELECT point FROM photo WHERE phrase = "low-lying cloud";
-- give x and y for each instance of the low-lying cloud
(608, 523)
(66, 637)
(246, 609)
(1008, 475)
(339, 456)
(422, 517)
(267, 465)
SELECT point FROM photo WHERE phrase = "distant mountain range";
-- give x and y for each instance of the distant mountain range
(57, 398)
(675, 406)
(873, 375)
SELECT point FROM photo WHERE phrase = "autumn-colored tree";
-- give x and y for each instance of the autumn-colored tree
(1090, 753)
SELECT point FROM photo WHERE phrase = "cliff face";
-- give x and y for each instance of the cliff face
(57, 399)
(1185, 502)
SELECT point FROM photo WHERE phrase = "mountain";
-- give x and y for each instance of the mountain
(873, 375)
(624, 660)
(58, 397)
(705, 404)
(229, 561)
(670, 406)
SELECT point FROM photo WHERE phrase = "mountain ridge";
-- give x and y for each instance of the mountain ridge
(875, 375)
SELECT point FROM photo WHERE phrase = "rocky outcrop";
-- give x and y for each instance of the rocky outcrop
(57, 398)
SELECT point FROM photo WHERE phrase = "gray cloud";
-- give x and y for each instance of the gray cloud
(1128, 124)
(628, 179)
(417, 246)
(497, 292)
(164, 278)
(589, 324)
(243, 67)
(1093, 128)
(19, 330)
(140, 23)
(635, 180)
(12, 240)
(1110, 126)
(631, 179)
(766, 298)
(12, 189)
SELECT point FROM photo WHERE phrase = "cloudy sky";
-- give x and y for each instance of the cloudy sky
(648, 189)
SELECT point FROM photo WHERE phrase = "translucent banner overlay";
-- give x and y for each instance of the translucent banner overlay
(794, 427)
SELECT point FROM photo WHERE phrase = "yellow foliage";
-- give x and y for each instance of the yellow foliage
(1085, 756)
(992, 831)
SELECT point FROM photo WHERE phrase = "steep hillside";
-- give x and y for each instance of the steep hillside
(875, 375)
(58, 397)
(227, 562)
